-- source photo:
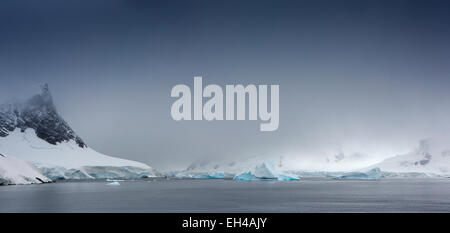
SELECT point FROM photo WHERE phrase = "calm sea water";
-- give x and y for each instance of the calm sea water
(430, 195)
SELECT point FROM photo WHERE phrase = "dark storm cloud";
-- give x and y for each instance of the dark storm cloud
(349, 71)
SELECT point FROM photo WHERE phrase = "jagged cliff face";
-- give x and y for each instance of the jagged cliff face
(38, 113)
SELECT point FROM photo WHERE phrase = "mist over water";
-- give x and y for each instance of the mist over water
(356, 77)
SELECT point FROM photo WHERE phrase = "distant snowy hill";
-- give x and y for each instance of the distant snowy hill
(17, 171)
(432, 157)
(34, 131)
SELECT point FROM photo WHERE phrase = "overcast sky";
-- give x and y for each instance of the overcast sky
(360, 75)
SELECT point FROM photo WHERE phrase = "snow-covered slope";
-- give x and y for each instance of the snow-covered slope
(432, 157)
(34, 131)
(16, 171)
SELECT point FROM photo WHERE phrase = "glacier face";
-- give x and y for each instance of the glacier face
(373, 174)
(17, 171)
(34, 132)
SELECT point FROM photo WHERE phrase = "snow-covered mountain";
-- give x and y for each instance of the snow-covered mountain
(17, 171)
(431, 157)
(38, 113)
(34, 131)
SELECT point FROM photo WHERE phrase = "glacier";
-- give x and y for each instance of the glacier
(34, 132)
(17, 171)
(216, 175)
(67, 160)
(373, 174)
(431, 158)
(199, 175)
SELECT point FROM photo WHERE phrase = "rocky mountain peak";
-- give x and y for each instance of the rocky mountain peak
(38, 113)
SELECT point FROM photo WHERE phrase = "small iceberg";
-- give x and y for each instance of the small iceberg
(245, 176)
(374, 174)
(115, 183)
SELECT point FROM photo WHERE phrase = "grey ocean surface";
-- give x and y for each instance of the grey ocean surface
(405, 195)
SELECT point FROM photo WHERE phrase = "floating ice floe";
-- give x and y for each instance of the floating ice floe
(113, 180)
(115, 183)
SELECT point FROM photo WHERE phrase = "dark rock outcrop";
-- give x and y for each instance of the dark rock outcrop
(38, 113)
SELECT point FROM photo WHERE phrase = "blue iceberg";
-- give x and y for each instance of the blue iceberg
(198, 175)
(216, 175)
(246, 176)
(287, 177)
(265, 171)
